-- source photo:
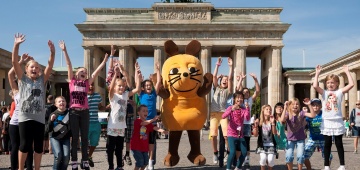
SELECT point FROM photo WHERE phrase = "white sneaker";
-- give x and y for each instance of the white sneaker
(341, 168)
(355, 151)
(327, 168)
(215, 159)
(225, 158)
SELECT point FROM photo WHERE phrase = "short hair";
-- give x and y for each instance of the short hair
(60, 97)
(332, 76)
(140, 106)
(4, 109)
(50, 97)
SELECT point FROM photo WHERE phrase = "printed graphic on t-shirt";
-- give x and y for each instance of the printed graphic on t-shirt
(143, 135)
(331, 103)
(358, 114)
(79, 94)
(122, 111)
(33, 103)
(266, 133)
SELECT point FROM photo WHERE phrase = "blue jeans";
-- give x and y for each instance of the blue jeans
(141, 158)
(300, 145)
(61, 150)
(236, 144)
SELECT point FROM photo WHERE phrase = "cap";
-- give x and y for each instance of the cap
(315, 100)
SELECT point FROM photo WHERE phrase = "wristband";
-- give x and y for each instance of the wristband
(218, 64)
(111, 56)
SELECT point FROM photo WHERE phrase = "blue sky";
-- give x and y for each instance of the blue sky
(325, 29)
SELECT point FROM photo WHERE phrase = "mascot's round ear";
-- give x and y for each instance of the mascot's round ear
(171, 48)
(193, 48)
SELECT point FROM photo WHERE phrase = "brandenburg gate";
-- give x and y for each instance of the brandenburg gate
(234, 32)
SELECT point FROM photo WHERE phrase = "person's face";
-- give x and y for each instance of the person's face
(81, 74)
(91, 89)
(295, 107)
(358, 104)
(143, 113)
(148, 87)
(279, 110)
(60, 103)
(316, 107)
(267, 111)
(332, 85)
(246, 93)
(239, 99)
(332, 98)
(120, 86)
(33, 70)
(224, 82)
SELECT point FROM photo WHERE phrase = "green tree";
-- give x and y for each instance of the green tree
(256, 107)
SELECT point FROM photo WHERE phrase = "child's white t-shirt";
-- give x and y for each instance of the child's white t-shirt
(117, 118)
(332, 122)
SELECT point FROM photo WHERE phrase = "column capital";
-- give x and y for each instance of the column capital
(291, 84)
(158, 47)
(88, 47)
(206, 47)
(277, 47)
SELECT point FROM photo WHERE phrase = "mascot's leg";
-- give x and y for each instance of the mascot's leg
(172, 158)
(195, 155)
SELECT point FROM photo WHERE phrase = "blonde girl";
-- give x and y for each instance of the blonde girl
(266, 130)
(332, 123)
(295, 120)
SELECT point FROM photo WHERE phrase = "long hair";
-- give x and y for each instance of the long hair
(332, 77)
(236, 94)
(289, 109)
(262, 117)
(277, 105)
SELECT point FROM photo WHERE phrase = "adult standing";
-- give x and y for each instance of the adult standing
(355, 124)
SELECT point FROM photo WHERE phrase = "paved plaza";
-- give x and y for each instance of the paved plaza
(99, 157)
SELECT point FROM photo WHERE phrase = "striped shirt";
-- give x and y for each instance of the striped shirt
(94, 100)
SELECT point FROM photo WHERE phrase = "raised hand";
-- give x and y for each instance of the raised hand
(230, 62)
(307, 101)
(62, 45)
(219, 61)
(19, 38)
(272, 119)
(106, 57)
(318, 69)
(253, 75)
(51, 46)
(137, 66)
(24, 57)
(122, 69)
(220, 76)
(157, 66)
(113, 50)
(235, 107)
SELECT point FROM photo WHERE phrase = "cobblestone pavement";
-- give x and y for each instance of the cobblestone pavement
(99, 157)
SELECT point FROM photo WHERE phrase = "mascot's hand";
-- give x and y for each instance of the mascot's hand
(206, 87)
(164, 93)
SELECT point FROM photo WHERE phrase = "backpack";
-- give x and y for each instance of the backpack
(61, 126)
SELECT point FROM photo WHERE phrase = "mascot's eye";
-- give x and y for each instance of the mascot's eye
(192, 69)
(174, 71)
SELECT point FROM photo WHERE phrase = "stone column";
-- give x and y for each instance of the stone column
(205, 58)
(159, 57)
(342, 85)
(239, 60)
(352, 92)
(88, 59)
(274, 78)
(321, 85)
(291, 91)
(126, 58)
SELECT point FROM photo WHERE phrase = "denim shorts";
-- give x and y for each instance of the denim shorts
(290, 147)
(141, 158)
(247, 130)
(355, 130)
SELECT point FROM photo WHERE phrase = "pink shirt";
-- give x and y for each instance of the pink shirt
(236, 120)
(78, 93)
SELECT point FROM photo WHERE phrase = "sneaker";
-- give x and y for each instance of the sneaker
(247, 165)
(85, 165)
(215, 159)
(91, 162)
(355, 151)
(119, 168)
(226, 157)
(341, 168)
(74, 166)
(128, 160)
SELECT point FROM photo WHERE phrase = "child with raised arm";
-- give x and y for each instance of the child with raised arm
(32, 92)
(296, 123)
(79, 109)
(147, 97)
(236, 113)
(266, 130)
(218, 106)
(116, 124)
(140, 137)
(332, 123)
(14, 123)
(316, 139)
(59, 131)
(280, 137)
(249, 100)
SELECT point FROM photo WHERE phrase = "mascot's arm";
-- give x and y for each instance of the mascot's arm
(206, 87)
(163, 93)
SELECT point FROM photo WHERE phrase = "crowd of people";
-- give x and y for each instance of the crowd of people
(33, 127)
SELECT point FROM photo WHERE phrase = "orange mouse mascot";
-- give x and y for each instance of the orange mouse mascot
(184, 104)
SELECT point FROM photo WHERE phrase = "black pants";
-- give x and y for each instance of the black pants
(79, 121)
(15, 143)
(31, 132)
(339, 147)
(6, 142)
(114, 143)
